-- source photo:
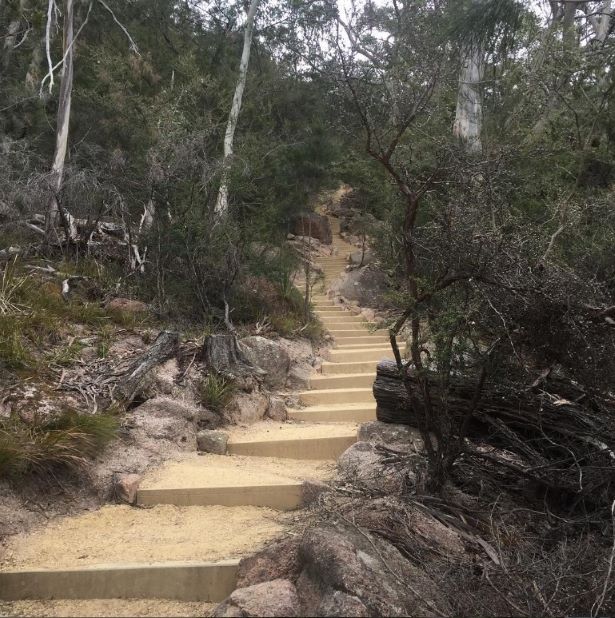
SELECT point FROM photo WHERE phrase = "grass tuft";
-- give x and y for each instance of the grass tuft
(68, 440)
(215, 392)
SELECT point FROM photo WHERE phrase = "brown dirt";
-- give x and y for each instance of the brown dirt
(106, 607)
(163, 533)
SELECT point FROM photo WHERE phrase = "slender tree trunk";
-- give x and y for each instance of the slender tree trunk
(54, 213)
(222, 201)
(10, 38)
(469, 114)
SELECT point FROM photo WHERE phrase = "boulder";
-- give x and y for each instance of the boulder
(126, 305)
(126, 486)
(163, 418)
(363, 465)
(299, 377)
(270, 356)
(365, 285)
(314, 225)
(273, 598)
(279, 560)
(360, 258)
(400, 436)
(209, 441)
(277, 409)
(362, 566)
(246, 408)
(341, 604)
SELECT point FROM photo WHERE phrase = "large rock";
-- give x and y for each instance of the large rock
(364, 567)
(246, 408)
(163, 418)
(365, 285)
(341, 604)
(363, 465)
(279, 560)
(273, 598)
(299, 377)
(362, 258)
(277, 410)
(399, 436)
(316, 226)
(270, 356)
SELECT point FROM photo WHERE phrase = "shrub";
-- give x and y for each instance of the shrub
(67, 440)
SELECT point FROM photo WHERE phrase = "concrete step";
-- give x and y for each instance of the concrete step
(361, 355)
(336, 413)
(329, 368)
(361, 339)
(210, 582)
(336, 395)
(344, 318)
(209, 479)
(359, 330)
(293, 441)
(377, 343)
(341, 380)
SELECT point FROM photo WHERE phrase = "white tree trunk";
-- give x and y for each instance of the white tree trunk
(222, 201)
(469, 114)
(63, 121)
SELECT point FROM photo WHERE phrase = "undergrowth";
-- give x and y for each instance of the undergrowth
(33, 316)
(215, 391)
(67, 440)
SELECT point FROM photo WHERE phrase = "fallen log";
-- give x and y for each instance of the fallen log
(564, 437)
(128, 386)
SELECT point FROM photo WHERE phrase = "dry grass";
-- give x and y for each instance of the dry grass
(66, 440)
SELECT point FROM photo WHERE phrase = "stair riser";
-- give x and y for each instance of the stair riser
(340, 356)
(318, 398)
(337, 416)
(280, 497)
(211, 582)
(366, 367)
(321, 448)
(355, 381)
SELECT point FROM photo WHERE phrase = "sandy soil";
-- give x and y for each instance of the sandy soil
(222, 471)
(105, 607)
(290, 431)
(159, 534)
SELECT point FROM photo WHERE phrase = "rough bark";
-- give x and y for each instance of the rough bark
(166, 346)
(469, 114)
(562, 437)
(222, 201)
(223, 354)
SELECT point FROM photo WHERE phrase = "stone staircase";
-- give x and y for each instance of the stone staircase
(251, 478)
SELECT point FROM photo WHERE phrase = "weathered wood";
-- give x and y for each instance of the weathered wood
(166, 346)
(558, 431)
(223, 355)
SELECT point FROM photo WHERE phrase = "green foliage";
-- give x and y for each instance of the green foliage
(67, 440)
(215, 391)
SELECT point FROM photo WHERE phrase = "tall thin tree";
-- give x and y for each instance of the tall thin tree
(229, 137)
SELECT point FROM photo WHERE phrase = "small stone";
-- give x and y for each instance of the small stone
(277, 409)
(126, 487)
(211, 441)
(274, 598)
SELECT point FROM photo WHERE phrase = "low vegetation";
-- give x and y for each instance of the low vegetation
(42, 445)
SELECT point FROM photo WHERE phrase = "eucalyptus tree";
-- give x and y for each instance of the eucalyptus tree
(222, 200)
